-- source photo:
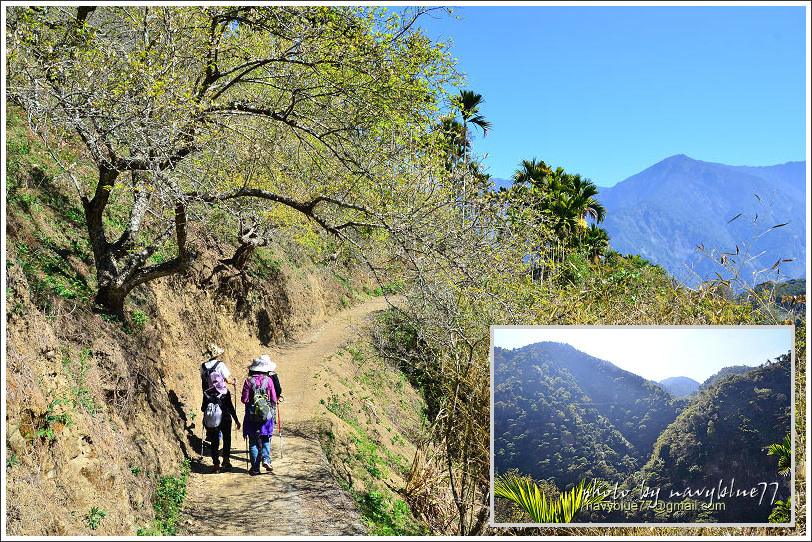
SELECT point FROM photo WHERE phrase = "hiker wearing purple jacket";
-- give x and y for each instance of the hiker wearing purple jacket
(259, 434)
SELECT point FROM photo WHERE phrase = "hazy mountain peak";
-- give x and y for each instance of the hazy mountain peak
(679, 386)
(666, 211)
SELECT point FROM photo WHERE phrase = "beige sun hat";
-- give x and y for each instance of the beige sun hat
(262, 364)
(213, 350)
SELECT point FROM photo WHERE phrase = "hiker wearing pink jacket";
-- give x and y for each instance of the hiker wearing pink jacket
(259, 434)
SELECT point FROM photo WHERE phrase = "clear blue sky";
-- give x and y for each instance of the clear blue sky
(607, 91)
(656, 353)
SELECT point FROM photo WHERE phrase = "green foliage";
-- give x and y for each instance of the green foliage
(360, 71)
(169, 496)
(784, 453)
(562, 201)
(385, 515)
(784, 302)
(782, 512)
(266, 264)
(367, 453)
(342, 409)
(12, 460)
(51, 418)
(731, 424)
(138, 319)
(50, 273)
(94, 517)
(77, 374)
(724, 373)
(564, 415)
(527, 495)
(392, 288)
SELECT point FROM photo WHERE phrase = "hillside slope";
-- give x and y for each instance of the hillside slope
(721, 438)
(95, 415)
(98, 414)
(562, 414)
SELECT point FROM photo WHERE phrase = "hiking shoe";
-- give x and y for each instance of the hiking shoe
(227, 465)
(215, 469)
(253, 472)
(267, 466)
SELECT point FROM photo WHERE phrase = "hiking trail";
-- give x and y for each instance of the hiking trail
(300, 496)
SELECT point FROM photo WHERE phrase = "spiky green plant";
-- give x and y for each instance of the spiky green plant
(526, 494)
(782, 512)
(784, 453)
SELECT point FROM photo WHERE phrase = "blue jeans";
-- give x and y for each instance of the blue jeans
(254, 443)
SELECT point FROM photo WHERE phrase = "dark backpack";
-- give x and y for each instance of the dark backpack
(212, 400)
(260, 408)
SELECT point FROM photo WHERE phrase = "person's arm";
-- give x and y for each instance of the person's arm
(227, 377)
(276, 385)
(232, 410)
(270, 389)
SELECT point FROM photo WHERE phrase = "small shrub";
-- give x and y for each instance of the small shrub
(169, 496)
(139, 319)
(387, 517)
(94, 517)
(47, 430)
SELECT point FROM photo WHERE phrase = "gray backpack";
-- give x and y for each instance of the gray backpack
(213, 415)
(212, 400)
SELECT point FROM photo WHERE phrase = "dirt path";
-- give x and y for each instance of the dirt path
(300, 497)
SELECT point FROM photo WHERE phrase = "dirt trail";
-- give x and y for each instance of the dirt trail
(300, 497)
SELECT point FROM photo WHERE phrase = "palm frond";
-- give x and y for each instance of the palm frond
(784, 453)
(527, 495)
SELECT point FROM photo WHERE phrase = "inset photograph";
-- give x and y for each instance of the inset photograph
(654, 425)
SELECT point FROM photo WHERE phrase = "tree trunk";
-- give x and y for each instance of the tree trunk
(118, 269)
(249, 241)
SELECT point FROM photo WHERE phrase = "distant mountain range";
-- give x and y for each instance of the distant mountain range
(683, 386)
(679, 386)
(664, 212)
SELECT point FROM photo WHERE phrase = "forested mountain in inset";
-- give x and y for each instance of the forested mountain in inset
(723, 436)
(562, 414)
(679, 386)
(723, 373)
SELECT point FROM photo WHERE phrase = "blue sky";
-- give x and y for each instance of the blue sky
(608, 90)
(656, 353)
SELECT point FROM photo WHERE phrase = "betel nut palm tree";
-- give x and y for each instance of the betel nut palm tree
(468, 103)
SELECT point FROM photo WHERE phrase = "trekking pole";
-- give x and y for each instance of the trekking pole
(245, 436)
(279, 423)
(202, 430)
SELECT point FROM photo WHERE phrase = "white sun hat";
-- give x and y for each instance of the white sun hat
(262, 364)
